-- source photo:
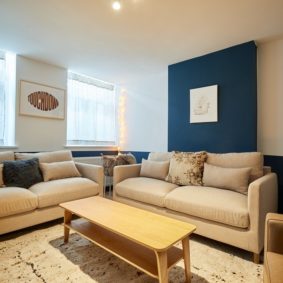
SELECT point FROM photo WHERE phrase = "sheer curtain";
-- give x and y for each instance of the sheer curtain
(91, 111)
(7, 98)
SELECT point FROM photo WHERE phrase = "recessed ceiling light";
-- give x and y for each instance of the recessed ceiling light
(116, 5)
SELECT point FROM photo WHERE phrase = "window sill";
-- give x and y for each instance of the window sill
(8, 147)
(94, 147)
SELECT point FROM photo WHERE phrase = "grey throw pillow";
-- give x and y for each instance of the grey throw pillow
(21, 173)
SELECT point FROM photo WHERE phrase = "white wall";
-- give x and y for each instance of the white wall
(34, 133)
(270, 97)
(147, 113)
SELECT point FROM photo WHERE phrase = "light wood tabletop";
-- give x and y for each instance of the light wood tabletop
(142, 238)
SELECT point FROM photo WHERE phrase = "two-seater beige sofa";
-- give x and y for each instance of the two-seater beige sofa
(220, 214)
(21, 207)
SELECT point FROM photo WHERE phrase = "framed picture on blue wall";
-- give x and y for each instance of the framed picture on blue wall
(203, 104)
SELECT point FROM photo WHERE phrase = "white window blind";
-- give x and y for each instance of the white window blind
(91, 111)
(7, 98)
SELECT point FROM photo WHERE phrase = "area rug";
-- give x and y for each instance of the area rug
(39, 255)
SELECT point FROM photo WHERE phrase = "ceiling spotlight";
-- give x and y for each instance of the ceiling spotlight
(116, 5)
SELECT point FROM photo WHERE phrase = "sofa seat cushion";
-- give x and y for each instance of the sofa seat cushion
(273, 267)
(58, 191)
(143, 189)
(14, 200)
(209, 203)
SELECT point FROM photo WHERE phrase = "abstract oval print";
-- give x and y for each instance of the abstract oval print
(43, 101)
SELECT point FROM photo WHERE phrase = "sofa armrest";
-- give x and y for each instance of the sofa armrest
(92, 172)
(274, 233)
(262, 198)
(124, 172)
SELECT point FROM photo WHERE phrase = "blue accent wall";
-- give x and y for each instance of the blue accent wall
(234, 70)
(89, 153)
(276, 163)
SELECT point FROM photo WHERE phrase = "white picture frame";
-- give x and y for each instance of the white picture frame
(41, 100)
(203, 104)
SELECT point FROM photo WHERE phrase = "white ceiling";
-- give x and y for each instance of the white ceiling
(143, 38)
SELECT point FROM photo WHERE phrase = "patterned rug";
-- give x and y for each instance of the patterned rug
(39, 255)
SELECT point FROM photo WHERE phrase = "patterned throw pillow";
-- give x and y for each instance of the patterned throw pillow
(128, 158)
(22, 173)
(186, 168)
(109, 161)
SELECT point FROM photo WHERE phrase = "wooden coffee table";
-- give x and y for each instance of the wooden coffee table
(141, 238)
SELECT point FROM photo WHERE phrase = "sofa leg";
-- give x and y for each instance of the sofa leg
(256, 258)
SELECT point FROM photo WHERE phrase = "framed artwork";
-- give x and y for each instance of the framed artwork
(41, 100)
(203, 104)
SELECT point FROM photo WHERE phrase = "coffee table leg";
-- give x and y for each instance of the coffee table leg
(186, 255)
(162, 266)
(67, 220)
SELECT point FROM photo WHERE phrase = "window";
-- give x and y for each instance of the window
(91, 111)
(7, 98)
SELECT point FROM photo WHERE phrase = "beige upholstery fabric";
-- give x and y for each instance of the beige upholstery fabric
(238, 237)
(252, 160)
(92, 172)
(218, 205)
(6, 155)
(273, 249)
(47, 157)
(235, 179)
(273, 268)
(58, 191)
(124, 172)
(59, 170)
(160, 156)
(15, 200)
(186, 168)
(1, 176)
(154, 169)
(262, 198)
(30, 218)
(145, 190)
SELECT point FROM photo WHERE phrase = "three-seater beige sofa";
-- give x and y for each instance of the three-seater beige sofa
(21, 207)
(223, 215)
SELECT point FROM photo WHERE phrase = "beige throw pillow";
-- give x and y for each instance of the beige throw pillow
(186, 168)
(154, 169)
(59, 170)
(235, 179)
(1, 176)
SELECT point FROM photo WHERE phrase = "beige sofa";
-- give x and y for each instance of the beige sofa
(273, 249)
(223, 215)
(20, 207)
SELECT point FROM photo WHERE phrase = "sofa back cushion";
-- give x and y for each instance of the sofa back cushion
(235, 179)
(21, 173)
(253, 160)
(6, 155)
(47, 157)
(186, 168)
(154, 169)
(160, 156)
(59, 170)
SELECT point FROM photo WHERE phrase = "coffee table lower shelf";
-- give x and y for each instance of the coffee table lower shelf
(129, 251)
